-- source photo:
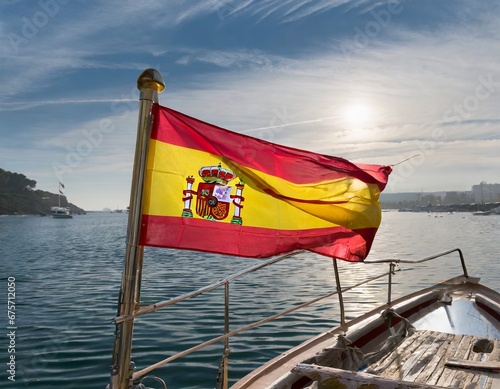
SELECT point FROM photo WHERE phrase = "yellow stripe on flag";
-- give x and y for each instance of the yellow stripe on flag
(269, 201)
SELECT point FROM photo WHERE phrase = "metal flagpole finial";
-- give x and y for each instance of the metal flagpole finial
(150, 83)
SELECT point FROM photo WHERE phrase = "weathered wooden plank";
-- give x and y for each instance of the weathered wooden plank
(459, 348)
(329, 377)
(495, 354)
(483, 380)
(422, 359)
(477, 365)
(447, 342)
(461, 376)
(493, 380)
(410, 343)
(483, 369)
(458, 377)
(435, 366)
(406, 350)
(472, 378)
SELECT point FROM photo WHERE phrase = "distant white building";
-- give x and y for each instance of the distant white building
(486, 193)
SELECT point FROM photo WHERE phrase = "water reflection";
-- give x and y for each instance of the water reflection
(67, 295)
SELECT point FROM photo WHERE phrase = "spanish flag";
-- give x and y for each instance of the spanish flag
(213, 190)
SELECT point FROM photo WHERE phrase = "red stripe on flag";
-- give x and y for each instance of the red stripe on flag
(255, 242)
(295, 165)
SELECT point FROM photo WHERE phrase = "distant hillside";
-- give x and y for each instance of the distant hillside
(18, 196)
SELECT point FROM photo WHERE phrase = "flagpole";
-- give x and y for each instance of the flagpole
(149, 83)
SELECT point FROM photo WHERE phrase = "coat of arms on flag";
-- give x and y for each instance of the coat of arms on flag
(214, 196)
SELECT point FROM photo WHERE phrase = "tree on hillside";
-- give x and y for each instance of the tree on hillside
(15, 182)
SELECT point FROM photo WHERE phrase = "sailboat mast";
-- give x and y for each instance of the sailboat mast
(149, 83)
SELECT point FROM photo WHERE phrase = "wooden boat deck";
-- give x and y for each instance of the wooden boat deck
(419, 362)
(422, 358)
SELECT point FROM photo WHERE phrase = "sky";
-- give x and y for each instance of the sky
(371, 81)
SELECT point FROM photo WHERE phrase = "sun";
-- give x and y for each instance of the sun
(357, 115)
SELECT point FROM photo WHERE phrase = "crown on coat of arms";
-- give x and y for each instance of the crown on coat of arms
(216, 174)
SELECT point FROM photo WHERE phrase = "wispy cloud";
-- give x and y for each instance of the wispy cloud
(26, 105)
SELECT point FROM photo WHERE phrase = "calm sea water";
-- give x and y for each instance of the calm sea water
(67, 274)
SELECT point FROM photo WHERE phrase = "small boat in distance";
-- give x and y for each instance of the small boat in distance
(60, 212)
(494, 211)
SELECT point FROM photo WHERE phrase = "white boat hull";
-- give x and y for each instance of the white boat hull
(60, 213)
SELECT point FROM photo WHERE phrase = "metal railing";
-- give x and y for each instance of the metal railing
(226, 282)
(394, 262)
(442, 254)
